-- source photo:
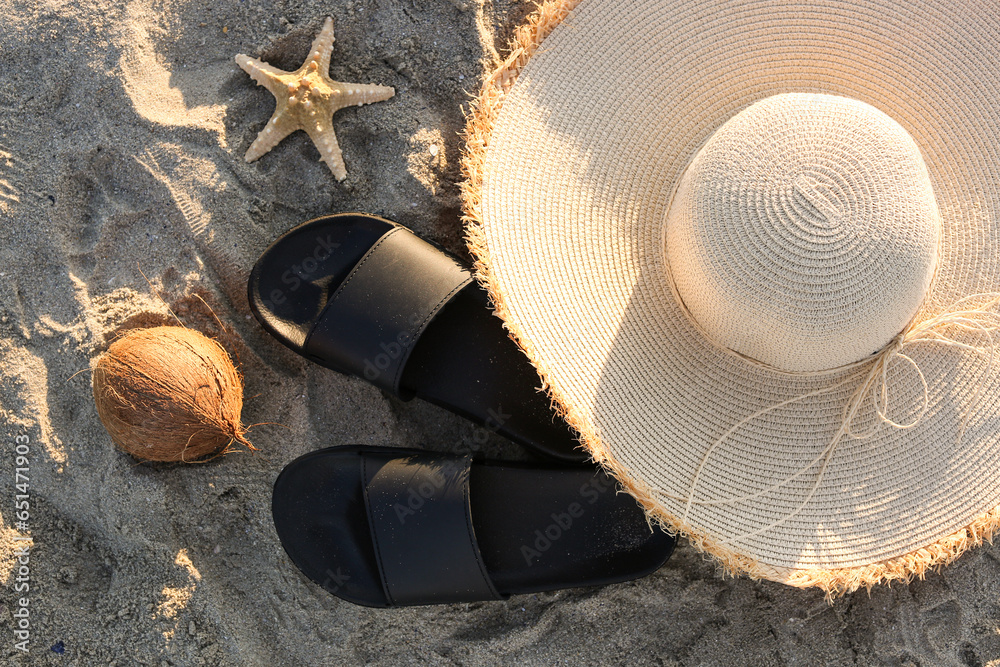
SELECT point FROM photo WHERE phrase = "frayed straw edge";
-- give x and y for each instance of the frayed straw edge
(905, 568)
(498, 77)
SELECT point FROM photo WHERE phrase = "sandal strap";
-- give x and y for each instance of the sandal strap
(421, 524)
(371, 324)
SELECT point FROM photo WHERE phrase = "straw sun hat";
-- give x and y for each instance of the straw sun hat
(753, 249)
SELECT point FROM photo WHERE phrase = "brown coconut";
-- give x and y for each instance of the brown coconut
(169, 394)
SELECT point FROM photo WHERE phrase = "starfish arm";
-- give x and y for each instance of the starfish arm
(323, 136)
(262, 73)
(322, 48)
(358, 94)
(279, 127)
(369, 93)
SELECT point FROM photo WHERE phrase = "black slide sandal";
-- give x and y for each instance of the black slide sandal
(392, 527)
(364, 296)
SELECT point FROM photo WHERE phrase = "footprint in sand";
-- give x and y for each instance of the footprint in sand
(196, 187)
(10, 169)
(163, 90)
(86, 204)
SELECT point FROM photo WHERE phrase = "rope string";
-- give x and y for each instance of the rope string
(982, 321)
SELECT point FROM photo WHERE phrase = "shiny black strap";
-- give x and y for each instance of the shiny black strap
(421, 524)
(371, 323)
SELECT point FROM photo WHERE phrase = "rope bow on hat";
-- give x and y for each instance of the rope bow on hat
(982, 321)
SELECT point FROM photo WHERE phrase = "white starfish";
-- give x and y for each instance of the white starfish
(306, 99)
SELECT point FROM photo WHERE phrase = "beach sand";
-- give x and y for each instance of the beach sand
(122, 134)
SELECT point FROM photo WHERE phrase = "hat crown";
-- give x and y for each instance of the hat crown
(804, 233)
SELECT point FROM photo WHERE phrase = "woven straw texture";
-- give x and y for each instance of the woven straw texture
(804, 233)
(571, 171)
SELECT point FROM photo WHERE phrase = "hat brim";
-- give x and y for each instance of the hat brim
(573, 150)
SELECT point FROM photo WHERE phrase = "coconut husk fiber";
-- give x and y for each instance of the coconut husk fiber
(169, 394)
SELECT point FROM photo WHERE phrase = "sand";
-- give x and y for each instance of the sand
(122, 135)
